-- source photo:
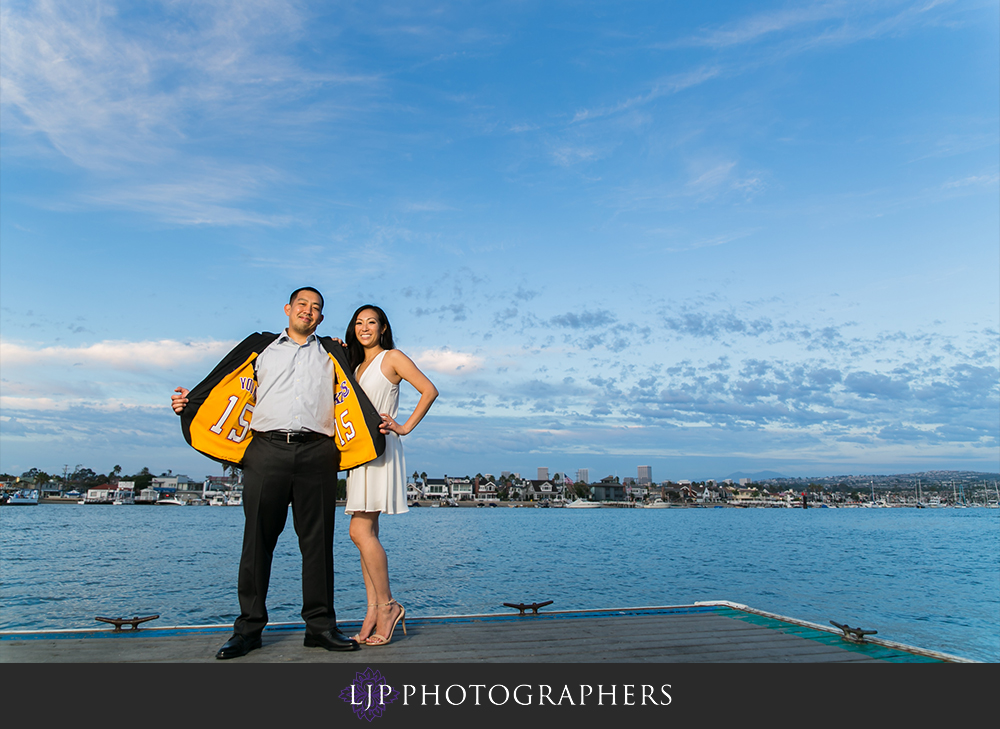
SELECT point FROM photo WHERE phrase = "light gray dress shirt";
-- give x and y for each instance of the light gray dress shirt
(295, 387)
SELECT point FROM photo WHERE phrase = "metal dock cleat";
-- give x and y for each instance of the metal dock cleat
(119, 622)
(855, 635)
(533, 607)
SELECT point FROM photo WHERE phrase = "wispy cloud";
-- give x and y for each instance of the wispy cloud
(121, 94)
(781, 34)
(428, 206)
(584, 319)
(757, 27)
(217, 197)
(664, 87)
(448, 362)
(988, 180)
(713, 176)
(118, 355)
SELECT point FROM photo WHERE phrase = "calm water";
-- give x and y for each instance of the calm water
(929, 578)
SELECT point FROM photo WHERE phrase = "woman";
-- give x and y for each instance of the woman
(379, 487)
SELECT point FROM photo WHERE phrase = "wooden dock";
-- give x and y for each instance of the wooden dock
(717, 632)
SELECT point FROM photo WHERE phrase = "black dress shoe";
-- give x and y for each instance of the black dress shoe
(332, 640)
(237, 646)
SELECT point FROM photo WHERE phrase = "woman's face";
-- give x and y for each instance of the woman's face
(367, 328)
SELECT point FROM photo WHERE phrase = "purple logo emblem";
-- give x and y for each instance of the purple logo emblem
(369, 694)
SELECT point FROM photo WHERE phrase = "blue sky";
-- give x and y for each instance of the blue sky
(741, 237)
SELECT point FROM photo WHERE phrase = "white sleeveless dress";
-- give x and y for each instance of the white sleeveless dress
(379, 485)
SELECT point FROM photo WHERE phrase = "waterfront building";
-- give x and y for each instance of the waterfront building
(147, 496)
(436, 488)
(680, 493)
(460, 489)
(485, 490)
(608, 490)
(102, 494)
(165, 484)
(518, 489)
(413, 492)
(540, 489)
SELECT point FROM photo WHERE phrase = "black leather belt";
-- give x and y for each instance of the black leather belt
(288, 436)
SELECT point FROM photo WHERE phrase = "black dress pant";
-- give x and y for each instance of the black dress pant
(276, 474)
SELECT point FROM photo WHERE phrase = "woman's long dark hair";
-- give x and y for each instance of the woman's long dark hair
(355, 352)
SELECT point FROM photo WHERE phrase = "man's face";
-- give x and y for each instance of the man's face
(304, 313)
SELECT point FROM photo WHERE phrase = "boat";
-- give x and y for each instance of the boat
(235, 499)
(658, 504)
(171, 501)
(123, 497)
(582, 504)
(23, 497)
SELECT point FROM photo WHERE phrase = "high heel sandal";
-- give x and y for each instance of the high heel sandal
(382, 640)
(357, 638)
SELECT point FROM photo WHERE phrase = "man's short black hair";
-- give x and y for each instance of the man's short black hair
(291, 299)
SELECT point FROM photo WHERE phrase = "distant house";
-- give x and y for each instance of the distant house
(680, 493)
(147, 496)
(485, 490)
(711, 494)
(103, 494)
(165, 484)
(413, 492)
(608, 490)
(436, 488)
(636, 492)
(51, 489)
(539, 490)
(518, 489)
(460, 488)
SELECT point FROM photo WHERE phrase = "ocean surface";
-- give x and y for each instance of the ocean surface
(928, 577)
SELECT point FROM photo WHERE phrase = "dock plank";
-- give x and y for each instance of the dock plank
(699, 636)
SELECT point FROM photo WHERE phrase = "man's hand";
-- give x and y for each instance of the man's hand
(179, 400)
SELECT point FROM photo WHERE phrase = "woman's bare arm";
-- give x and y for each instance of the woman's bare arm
(400, 368)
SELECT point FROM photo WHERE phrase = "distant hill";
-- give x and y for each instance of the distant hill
(877, 480)
(757, 476)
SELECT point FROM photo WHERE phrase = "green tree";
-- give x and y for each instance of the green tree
(142, 480)
(84, 478)
(36, 476)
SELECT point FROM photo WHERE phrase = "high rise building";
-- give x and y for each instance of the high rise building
(583, 475)
(645, 474)
(543, 473)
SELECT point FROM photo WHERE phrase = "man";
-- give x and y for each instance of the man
(305, 408)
